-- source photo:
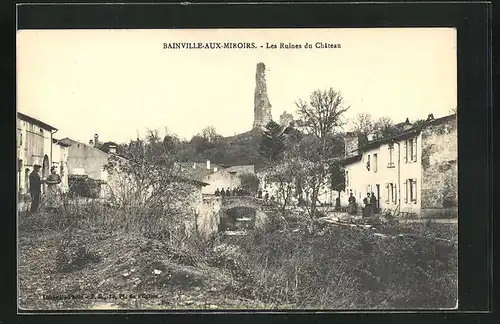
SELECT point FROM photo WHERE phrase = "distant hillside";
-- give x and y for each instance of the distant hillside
(242, 148)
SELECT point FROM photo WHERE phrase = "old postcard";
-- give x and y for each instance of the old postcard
(223, 169)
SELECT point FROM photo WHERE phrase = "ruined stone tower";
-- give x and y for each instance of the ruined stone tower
(262, 106)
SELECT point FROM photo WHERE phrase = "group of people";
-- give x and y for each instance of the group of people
(242, 192)
(35, 188)
(370, 202)
(228, 192)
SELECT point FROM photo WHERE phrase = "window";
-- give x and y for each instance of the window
(375, 162)
(411, 191)
(411, 150)
(390, 164)
(19, 137)
(391, 193)
(368, 163)
(414, 150)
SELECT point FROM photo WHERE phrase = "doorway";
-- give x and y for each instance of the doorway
(378, 199)
(45, 170)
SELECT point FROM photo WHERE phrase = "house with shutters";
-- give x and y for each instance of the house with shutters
(36, 144)
(411, 173)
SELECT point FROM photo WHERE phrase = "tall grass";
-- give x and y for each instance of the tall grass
(348, 268)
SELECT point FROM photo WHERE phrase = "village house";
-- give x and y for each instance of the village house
(214, 175)
(413, 172)
(37, 145)
(86, 163)
(326, 196)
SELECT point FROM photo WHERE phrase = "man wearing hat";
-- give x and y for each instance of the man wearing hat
(35, 188)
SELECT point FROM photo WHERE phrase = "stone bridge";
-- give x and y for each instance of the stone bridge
(241, 201)
(259, 205)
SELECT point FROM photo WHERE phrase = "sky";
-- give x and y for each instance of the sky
(120, 83)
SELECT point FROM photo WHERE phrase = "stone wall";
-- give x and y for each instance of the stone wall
(88, 158)
(351, 144)
(209, 217)
(439, 168)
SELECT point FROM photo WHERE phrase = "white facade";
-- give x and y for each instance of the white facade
(391, 171)
(60, 162)
(34, 146)
(220, 179)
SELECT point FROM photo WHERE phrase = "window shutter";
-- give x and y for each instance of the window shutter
(414, 157)
(406, 151)
(395, 196)
(415, 190)
(406, 191)
(388, 195)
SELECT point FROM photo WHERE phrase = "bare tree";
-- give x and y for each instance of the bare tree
(285, 176)
(150, 190)
(320, 118)
(323, 114)
(363, 125)
(210, 134)
(384, 126)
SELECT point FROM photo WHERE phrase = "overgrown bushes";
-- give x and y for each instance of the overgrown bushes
(350, 268)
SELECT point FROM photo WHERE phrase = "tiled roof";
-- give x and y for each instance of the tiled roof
(35, 121)
(404, 133)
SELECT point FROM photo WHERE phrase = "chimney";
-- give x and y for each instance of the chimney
(208, 164)
(430, 117)
(91, 142)
(96, 140)
(194, 165)
(407, 124)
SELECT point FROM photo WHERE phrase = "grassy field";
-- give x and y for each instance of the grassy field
(67, 263)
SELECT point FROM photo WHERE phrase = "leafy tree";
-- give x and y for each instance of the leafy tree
(249, 181)
(272, 145)
(337, 177)
(170, 143)
(199, 143)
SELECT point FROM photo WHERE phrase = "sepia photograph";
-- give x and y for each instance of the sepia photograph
(237, 169)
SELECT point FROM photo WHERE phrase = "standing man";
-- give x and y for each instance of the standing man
(373, 203)
(35, 188)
